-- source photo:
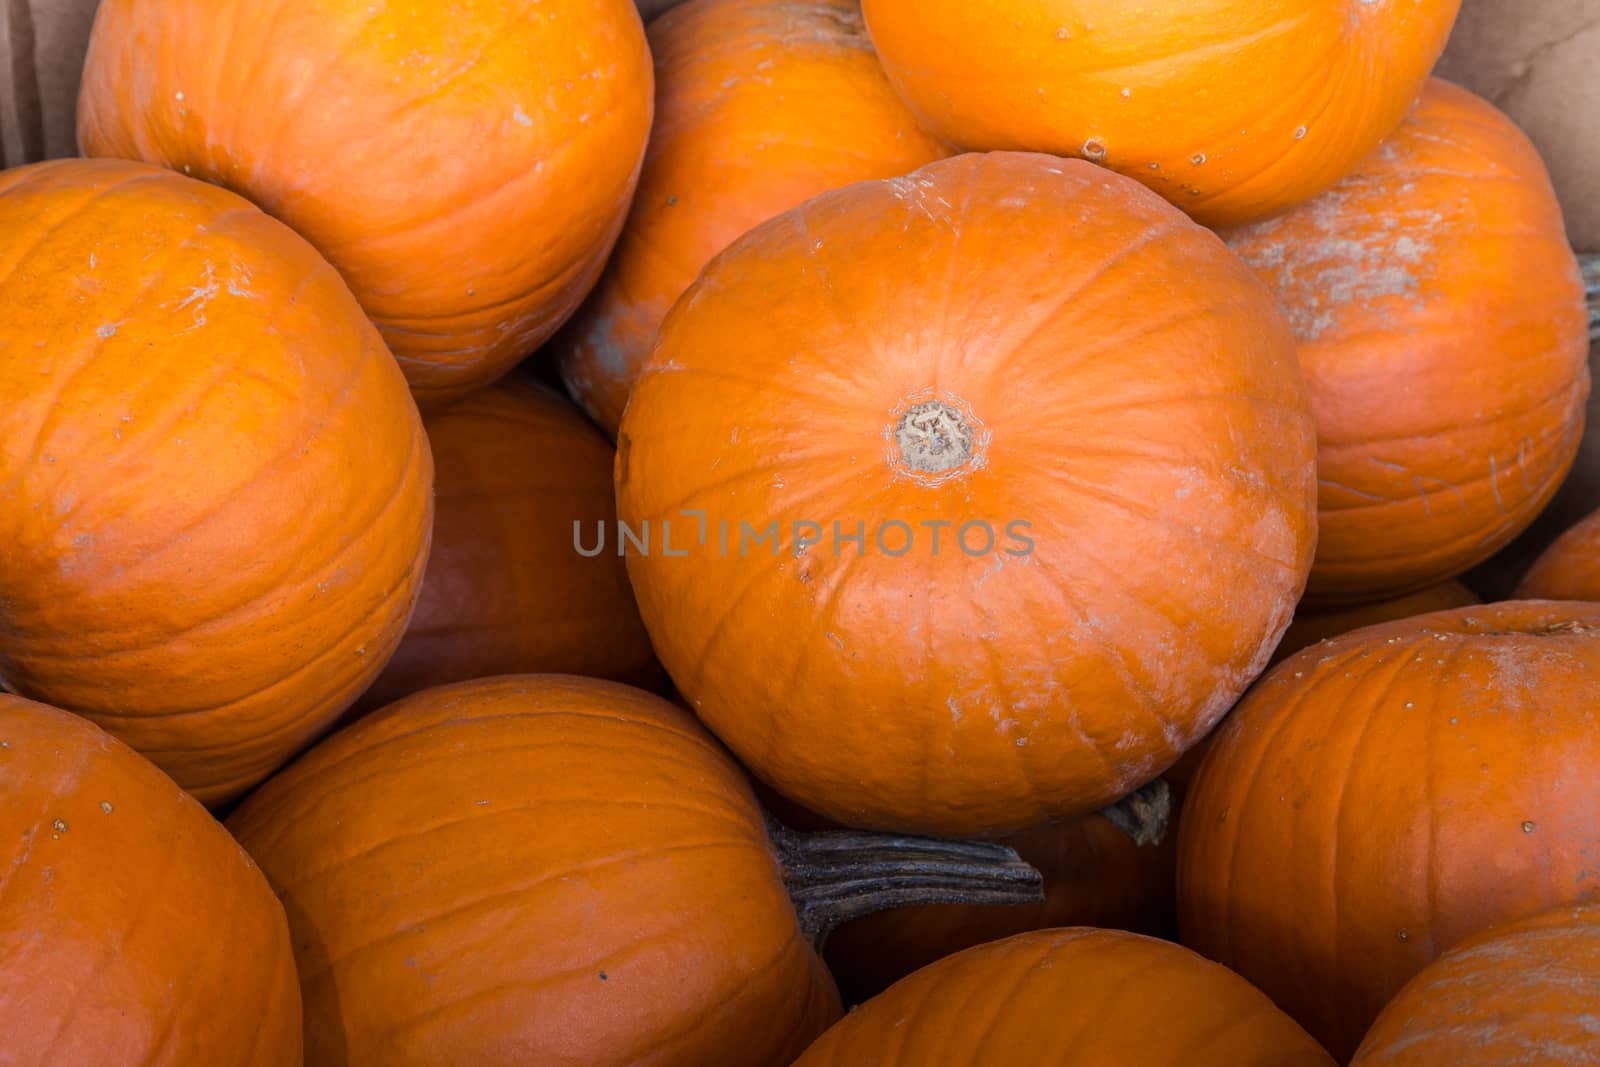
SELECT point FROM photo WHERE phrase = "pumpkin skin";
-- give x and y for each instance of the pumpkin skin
(506, 590)
(1523, 993)
(1073, 998)
(466, 164)
(990, 306)
(1443, 334)
(134, 932)
(218, 492)
(760, 105)
(535, 869)
(1310, 627)
(1232, 109)
(1384, 795)
(1568, 569)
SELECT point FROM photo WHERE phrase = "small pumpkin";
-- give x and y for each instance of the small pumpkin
(217, 491)
(969, 354)
(465, 164)
(543, 869)
(1380, 797)
(1570, 568)
(1232, 109)
(1523, 993)
(1070, 998)
(760, 105)
(1311, 626)
(1442, 330)
(133, 930)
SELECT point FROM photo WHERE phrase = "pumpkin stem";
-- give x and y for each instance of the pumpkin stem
(1144, 815)
(1591, 289)
(839, 875)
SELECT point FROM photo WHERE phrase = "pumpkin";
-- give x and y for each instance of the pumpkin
(41, 59)
(1570, 568)
(133, 930)
(1384, 795)
(760, 105)
(466, 164)
(1310, 627)
(1231, 109)
(1069, 998)
(217, 490)
(523, 483)
(1441, 323)
(542, 869)
(1523, 993)
(1122, 497)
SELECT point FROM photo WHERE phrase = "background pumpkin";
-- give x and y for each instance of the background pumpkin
(970, 344)
(1521, 993)
(1570, 568)
(1072, 998)
(1382, 796)
(218, 493)
(1442, 330)
(760, 105)
(1232, 109)
(133, 930)
(464, 165)
(1311, 626)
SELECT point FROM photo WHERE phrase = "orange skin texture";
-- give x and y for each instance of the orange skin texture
(1069, 998)
(1231, 109)
(466, 164)
(1521, 994)
(1568, 569)
(760, 105)
(1444, 336)
(506, 591)
(1165, 467)
(218, 495)
(1385, 795)
(535, 869)
(134, 932)
(1310, 627)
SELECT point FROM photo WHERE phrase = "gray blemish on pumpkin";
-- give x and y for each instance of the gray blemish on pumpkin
(521, 117)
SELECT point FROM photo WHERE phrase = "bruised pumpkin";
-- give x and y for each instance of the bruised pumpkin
(1568, 569)
(760, 105)
(217, 493)
(1311, 626)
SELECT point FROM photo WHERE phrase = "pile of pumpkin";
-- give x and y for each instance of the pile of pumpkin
(990, 384)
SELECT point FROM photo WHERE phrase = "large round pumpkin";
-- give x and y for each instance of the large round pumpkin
(1311, 626)
(217, 492)
(466, 164)
(134, 932)
(1003, 504)
(1069, 998)
(1382, 796)
(1442, 329)
(1232, 109)
(760, 105)
(1568, 569)
(1524, 993)
(515, 581)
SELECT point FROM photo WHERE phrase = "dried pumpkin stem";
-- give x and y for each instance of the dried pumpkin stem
(837, 876)
(1144, 815)
(1591, 289)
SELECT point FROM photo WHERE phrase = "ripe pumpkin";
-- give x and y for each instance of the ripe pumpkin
(1384, 795)
(1442, 330)
(1570, 568)
(760, 105)
(544, 869)
(969, 345)
(217, 490)
(523, 480)
(1232, 109)
(1524, 993)
(465, 164)
(1073, 998)
(1310, 627)
(133, 930)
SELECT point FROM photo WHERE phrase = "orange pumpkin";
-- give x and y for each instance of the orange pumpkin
(1232, 109)
(1310, 627)
(1125, 495)
(1073, 998)
(134, 931)
(523, 482)
(1442, 330)
(760, 105)
(1383, 795)
(1570, 568)
(465, 164)
(218, 492)
(546, 869)
(1524, 993)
